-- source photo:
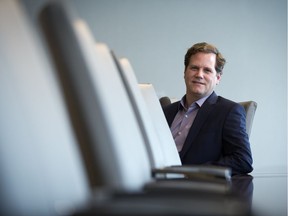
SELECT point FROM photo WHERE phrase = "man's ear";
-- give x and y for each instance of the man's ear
(218, 76)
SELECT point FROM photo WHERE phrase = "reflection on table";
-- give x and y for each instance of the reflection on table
(266, 195)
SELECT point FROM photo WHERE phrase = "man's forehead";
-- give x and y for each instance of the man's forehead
(204, 58)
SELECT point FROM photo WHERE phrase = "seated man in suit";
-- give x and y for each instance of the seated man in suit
(208, 129)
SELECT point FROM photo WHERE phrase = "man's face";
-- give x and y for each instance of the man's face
(200, 75)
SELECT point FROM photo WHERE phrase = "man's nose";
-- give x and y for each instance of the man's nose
(199, 73)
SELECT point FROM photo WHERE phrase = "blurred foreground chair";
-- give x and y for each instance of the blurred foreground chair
(42, 172)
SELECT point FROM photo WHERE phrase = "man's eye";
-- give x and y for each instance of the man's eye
(207, 71)
(194, 68)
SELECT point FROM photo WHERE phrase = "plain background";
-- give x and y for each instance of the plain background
(251, 34)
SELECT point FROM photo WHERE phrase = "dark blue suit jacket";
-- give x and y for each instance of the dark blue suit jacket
(218, 135)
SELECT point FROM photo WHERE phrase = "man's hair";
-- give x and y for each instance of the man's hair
(206, 48)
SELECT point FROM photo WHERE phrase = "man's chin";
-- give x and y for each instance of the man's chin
(198, 93)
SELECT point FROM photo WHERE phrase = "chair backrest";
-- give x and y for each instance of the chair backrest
(152, 138)
(163, 146)
(250, 108)
(119, 158)
(167, 142)
(41, 169)
(165, 101)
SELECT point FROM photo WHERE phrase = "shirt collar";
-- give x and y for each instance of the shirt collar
(198, 102)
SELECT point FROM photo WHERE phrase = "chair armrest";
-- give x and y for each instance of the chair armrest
(204, 172)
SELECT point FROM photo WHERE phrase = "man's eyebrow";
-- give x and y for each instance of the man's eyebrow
(209, 68)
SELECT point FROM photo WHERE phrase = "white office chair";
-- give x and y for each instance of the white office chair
(156, 137)
(250, 109)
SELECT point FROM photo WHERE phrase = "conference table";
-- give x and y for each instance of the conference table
(268, 193)
(248, 195)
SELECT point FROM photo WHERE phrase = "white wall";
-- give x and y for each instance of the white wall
(155, 34)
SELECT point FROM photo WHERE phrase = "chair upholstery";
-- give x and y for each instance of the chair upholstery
(151, 137)
(164, 101)
(166, 139)
(250, 108)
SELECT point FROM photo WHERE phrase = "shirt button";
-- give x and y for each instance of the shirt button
(186, 116)
(179, 133)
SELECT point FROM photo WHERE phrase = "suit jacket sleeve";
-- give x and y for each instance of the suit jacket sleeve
(236, 152)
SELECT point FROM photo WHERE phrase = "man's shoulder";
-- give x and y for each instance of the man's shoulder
(223, 100)
(228, 103)
(219, 100)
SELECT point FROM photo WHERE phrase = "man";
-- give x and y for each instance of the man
(208, 129)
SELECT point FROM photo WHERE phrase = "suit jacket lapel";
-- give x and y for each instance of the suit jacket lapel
(201, 117)
(172, 113)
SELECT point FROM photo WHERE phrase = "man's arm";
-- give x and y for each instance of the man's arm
(236, 146)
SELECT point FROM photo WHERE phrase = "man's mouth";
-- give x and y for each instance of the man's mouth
(197, 82)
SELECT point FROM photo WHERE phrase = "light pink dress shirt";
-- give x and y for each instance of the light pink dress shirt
(183, 121)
